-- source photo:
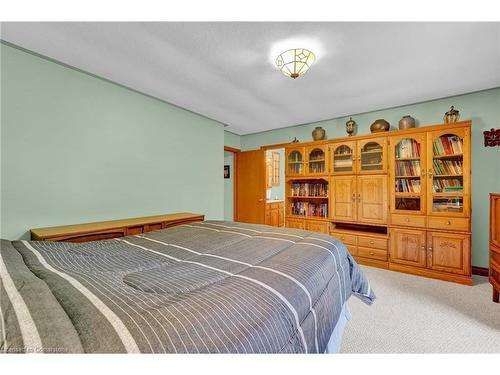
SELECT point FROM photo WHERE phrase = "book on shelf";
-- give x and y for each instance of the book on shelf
(447, 167)
(447, 185)
(408, 148)
(309, 209)
(404, 185)
(447, 145)
(407, 168)
(309, 189)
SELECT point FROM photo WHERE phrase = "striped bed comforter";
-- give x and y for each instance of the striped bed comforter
(208, 287)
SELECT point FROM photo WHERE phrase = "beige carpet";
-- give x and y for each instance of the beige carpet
(417, 315)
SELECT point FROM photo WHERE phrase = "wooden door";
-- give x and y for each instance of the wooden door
(372, 199)
(448, 172)
(372, 156)
(407, 171)
(295, 161)
(449, 252)
(343, 158)
(316, 160)
(408, 247)
(251, 176)
(344, 198)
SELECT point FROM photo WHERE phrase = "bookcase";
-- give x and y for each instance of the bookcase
(399, 200)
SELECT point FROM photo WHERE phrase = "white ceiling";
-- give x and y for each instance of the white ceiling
(223, 70)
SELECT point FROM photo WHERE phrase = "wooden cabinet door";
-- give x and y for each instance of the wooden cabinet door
(343, 158)
(372, 199)
(275, 218)
(407, 172)
(344, 199)
(295, 161)
(448, 172)
(316, 160)
(267, 219)
(372, 156)
(449, 252)
(408, 247)
(281, 215)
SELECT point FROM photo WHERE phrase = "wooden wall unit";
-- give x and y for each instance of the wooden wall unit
(399, 200)
(494, 271)
(104, 230)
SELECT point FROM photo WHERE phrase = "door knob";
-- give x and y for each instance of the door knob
(261, 200)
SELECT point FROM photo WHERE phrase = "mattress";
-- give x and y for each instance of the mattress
(208, 287)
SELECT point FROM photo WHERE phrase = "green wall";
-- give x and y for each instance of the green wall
(76, 148)
(482, 107)
(232, 140)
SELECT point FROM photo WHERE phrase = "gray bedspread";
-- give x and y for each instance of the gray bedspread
(207, 287)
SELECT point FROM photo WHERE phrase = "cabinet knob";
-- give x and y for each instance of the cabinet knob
(448, 222)
(372, 253)
(371, 242)
(407, 219)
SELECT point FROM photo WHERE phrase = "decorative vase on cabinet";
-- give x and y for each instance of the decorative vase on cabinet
(318, 133)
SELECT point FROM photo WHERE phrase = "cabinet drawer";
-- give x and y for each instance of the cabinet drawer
(408, 220)
(317, 226)
(452, 223)
(372, 242)
(372, 253)
(347, 239)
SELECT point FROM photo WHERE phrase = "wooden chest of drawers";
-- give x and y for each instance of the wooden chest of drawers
(112, 229)
(495, 245)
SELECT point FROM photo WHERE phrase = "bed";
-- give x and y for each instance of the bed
(204, 287)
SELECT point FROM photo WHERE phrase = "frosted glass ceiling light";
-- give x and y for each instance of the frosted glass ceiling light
(295, 62)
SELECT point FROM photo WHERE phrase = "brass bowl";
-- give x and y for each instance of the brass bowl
(380, 125)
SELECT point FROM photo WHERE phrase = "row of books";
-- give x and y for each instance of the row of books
(307, 189)
(310, 209)
(407, 186)
(447, 185)
(408, 168)
(447, 166)
(408, 148)
(447, 145)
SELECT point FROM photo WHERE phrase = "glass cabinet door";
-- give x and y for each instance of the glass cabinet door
(371, 156)
(316, 160)
(343, 158)
(407, 174)
(295, 161)
(448, 173)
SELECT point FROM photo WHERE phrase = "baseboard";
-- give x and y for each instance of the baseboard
(481, 271)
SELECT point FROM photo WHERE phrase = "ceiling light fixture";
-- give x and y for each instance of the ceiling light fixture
(295, 62)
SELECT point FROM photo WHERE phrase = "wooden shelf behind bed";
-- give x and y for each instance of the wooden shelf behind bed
(112, 229)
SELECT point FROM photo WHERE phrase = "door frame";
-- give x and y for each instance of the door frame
(235, 152)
